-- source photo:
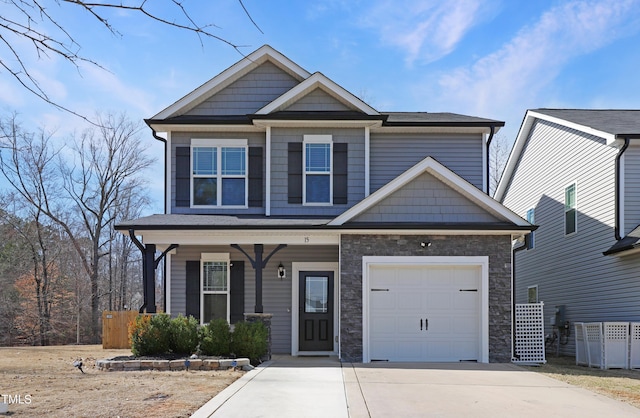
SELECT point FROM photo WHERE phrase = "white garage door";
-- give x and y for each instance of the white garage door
(424, 313)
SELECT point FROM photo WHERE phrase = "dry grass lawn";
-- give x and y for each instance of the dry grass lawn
(623, 385)
(56, 388)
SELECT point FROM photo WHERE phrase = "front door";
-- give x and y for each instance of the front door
(316, 311)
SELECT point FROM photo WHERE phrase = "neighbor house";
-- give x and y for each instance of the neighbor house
(576, 174)
(364, 234)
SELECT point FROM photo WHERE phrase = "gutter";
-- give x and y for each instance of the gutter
(161, 139)
(488, 157)
(617, 189)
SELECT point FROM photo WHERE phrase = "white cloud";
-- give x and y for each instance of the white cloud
(518, 72)
(114, 93)
(426, 30)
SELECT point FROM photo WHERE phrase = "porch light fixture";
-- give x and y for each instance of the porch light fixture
(282, 273)
(425, 244)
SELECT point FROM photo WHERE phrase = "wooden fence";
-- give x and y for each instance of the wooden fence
(115, 332)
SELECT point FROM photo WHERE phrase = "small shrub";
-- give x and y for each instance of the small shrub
(183, 335)
(215, 338)
(149, 335)
(249, 339)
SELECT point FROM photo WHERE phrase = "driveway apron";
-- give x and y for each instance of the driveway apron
(324, 387)
(469, 390)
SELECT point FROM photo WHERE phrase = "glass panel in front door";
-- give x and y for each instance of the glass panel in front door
(316, 294)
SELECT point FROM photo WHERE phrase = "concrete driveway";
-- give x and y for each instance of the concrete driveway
(324, 387)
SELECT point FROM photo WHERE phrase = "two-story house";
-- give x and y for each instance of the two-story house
(576, 174)
(363, 234)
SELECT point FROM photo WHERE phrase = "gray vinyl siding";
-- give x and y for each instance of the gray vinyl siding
(280, 137)
(393, 154)
(317, 100)
(631, 187)
(571, 270)
(426, 199)
(249, 93)
(276, 293)
(183, 139)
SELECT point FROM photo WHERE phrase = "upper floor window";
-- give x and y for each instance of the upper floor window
(531, 218)
(532, 294)
(219, 172)
(570, 210)
(318, 173)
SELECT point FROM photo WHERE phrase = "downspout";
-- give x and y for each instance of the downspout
(488, 158)
(513, 296)
(159, 138)
(616, 229)
(164, 198)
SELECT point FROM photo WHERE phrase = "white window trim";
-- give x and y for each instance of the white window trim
(219, 144)
(220, 257)
(564, 206)
(316, 139)
(537, 295)
(532, 238)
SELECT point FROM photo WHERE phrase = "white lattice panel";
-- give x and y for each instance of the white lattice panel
(593, 339)
(616, 345)
(634, 346)
(582, 356)
(529, 333)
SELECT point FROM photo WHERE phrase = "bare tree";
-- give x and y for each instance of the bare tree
(84, 193)
(38, 24)
(108, 170)
(498, 156)
(122, 252)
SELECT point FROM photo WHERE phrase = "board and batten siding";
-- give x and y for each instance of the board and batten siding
(426, 199)
(183, 139)
(571, 270)
(393, 154)
(631, 187)
(276, 293)
(280, 138)
(318, 101)
(247, 94)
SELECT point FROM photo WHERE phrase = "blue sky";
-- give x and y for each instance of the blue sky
(491, 59)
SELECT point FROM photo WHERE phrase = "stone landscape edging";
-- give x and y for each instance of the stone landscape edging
(172, 365)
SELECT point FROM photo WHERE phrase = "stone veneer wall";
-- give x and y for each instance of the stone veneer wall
(354, 247)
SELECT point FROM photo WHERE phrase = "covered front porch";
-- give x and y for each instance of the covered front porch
(291, 274)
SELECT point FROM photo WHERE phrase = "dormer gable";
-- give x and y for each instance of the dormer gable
(312, 84)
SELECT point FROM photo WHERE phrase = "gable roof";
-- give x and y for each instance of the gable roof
(231, 74)
(442, 173)
(609, 124)
(176, 115)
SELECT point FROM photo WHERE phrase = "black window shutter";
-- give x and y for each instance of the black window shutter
(340, 168)
(193, 289)
(183, 176)
(236, 288)
(295, 172)
(255, 176)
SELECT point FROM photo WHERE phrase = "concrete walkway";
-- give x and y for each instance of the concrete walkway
(324, 387)
(284, 387)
